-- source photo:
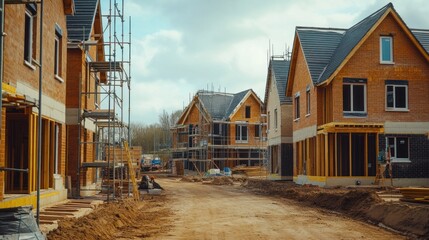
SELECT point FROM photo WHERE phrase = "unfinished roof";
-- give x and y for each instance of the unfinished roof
(220, 105)
(319, 46)
(79, 26)
(216, 103)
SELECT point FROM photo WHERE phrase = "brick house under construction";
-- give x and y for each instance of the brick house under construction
(218, 130)
(20, 91)
(278, 108)
(356, 91)
(85, 48)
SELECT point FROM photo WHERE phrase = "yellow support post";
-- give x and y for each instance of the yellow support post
(132, 172)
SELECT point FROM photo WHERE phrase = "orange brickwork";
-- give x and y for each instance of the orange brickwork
(22, 78)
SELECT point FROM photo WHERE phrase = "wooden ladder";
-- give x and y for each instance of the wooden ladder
(132, 172)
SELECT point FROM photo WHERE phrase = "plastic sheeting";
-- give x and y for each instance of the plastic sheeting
(18, 223)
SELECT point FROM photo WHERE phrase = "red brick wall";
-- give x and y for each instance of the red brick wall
(409, 65)
(301, 79)
(75, 62)
(14, 68)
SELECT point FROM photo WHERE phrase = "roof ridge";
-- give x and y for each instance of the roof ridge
(349, 41)
(321, 28)
(389, 5)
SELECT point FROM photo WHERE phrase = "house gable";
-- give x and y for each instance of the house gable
(358, 34)
(250, 99)
(409, 65)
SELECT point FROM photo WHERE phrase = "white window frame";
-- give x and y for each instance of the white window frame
(390, 61)
(57, 56)
(351, 99)
(393, 158)
(28, 57)
(275, 119)
(394, 108)
(308, 107)
(239, 137)
(297, 107)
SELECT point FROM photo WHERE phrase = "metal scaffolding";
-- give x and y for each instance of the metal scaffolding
(112, 94)
(208, 142)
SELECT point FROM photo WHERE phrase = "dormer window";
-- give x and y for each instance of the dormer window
(386, 49)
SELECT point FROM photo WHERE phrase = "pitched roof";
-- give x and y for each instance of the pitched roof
(350, 39)
(423, 37)
(215, 103)
(319, 45)
(238, 97)
(281, 71)
(221, 105)
(79, 26)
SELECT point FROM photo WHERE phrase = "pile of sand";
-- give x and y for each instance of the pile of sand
(111, 220)
(191, 179)
(222, 181)
(363, 204)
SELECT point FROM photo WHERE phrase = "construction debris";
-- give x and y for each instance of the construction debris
(418, 195)
(250, 171)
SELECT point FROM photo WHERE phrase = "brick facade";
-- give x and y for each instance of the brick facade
(318, 136)
(23, 78)
(418, 167)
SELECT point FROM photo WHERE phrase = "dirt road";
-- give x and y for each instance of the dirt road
(230, 212)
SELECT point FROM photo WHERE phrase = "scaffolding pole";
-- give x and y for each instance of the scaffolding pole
(109, 115)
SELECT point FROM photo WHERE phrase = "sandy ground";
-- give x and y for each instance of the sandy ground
(203, 211)
(260, 210)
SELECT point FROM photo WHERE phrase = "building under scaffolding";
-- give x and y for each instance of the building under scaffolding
(218, 130)
(100, 49)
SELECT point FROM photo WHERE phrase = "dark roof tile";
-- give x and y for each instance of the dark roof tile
(79, 26)
(423, 37)
(281, 72)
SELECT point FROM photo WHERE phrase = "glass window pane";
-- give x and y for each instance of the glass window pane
(400, 97)
(247, 111)
(391, 144)
(56, 56)
(402, 147)
(256, 130)
(386, 54)
(358, 98)
(244, 133)
(389, 96)
(237, 132)
(346, 98)
(297, 107)
(27, 38)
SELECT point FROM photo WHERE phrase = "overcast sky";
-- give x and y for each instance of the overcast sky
(182, 46)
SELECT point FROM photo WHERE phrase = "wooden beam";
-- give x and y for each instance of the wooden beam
(307, 157)
(336, 154)
(350, 154)
(317, 155)
(326, 155)
(331, 153)
(366, 154)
